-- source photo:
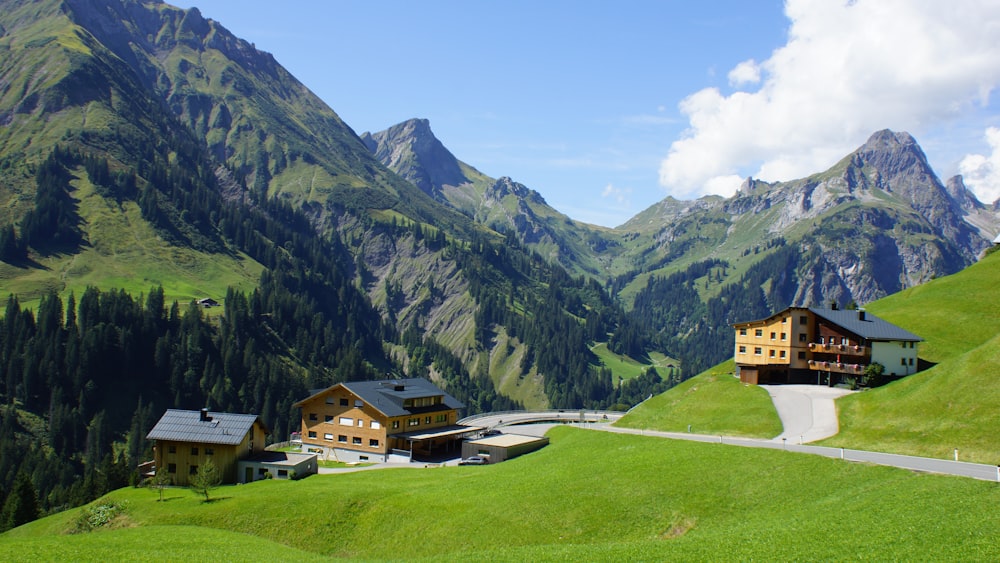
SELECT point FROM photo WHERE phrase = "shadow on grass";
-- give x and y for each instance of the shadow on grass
(215, 499)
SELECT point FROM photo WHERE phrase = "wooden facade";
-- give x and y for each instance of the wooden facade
(823, 346)
(185, 440)
(371, 420)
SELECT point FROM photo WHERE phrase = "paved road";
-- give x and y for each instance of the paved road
(924, 464)
(807, 412)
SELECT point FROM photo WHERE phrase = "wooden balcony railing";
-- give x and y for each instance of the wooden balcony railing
(837, 367)
(842, 349)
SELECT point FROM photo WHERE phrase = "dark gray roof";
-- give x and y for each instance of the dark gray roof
(387, 396)
(187, 426)
(865, 325)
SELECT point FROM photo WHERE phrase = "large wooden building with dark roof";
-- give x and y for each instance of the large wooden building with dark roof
(398, 419)
(186, 439)
(821, 346)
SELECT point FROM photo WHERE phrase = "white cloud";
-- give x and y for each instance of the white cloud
(982, 172)
(747, 72)
(847, 70)
(622, 196)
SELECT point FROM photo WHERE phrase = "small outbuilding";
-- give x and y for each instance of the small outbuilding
(503, 447)
(279, 465)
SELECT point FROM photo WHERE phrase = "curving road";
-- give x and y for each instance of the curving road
(807, 412)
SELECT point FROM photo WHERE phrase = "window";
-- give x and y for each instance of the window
(911, 344)
(312, 434)
(193, 470)
(743, 349)
(194, 451)
(758, 332)
(802, 337)
(282, 473)
(770, 353)
(911, 361)
(395, 424)
(784, 320)
(356, 440)
(373, 442)
(329, 399)
(261, 471)
(757, 350)
(743, 332)
(902, 361)
(782, 354)
(343, 401)
(784, 336)
(376, 425)
(359, 403)
(773, 336)
(328, 436)
(312, 416)
(342, 438)
(844, 341)
(361, 423)
(902, 344)
(171, 449)
(821, 340)
(802, 355)
(328, 418)
(209, 451)
(171, 468)
(413, 422)
(803, 319)
(346, 421)
(427, 420)
(441, 418)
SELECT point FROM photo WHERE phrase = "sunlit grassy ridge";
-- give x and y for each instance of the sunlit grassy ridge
(955, 404)
(588, 496)
(714, 402)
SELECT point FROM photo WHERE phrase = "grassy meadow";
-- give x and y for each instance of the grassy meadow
(954, 404)
(588, 496)
(714, 402)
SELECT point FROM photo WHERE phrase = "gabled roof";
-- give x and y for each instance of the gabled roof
(865, 325)
(388, 396)
(187, 426)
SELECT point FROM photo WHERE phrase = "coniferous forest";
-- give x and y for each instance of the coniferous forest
(85, 378)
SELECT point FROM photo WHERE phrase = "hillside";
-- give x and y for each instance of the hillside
(952, 404)
(642, 499)
(955, 403)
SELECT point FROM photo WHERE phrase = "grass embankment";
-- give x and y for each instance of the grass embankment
(955, 404)
(713, 402)
(588, 496)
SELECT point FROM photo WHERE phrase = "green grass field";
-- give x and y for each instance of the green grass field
(589, 496)
(628, 368)
(956, 403)
(713, 402)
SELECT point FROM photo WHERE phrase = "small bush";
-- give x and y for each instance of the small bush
(99, 516)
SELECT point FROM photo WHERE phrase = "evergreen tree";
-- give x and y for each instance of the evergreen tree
(21, 506)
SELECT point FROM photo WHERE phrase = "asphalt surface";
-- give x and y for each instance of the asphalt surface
(807, 412)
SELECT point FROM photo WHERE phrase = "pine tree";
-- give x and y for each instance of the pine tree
(22, 504)
(206, 479)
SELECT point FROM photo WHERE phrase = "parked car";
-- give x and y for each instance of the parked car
(475, 460)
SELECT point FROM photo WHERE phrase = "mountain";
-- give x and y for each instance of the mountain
(411, 150)
(186, 158)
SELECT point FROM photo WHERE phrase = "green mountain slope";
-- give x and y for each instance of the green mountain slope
(955, 403)
(641, 499)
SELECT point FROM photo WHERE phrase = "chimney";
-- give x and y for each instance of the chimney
(204, 416)
(861, 314)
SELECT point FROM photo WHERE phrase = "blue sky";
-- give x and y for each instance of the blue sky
(606, 108)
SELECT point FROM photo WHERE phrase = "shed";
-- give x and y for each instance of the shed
(280, 465)
(503, 447)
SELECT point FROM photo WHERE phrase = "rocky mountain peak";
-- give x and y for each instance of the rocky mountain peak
(411, 150)
(963, 196)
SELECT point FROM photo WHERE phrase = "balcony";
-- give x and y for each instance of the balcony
(837, 367)
(843, 349)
